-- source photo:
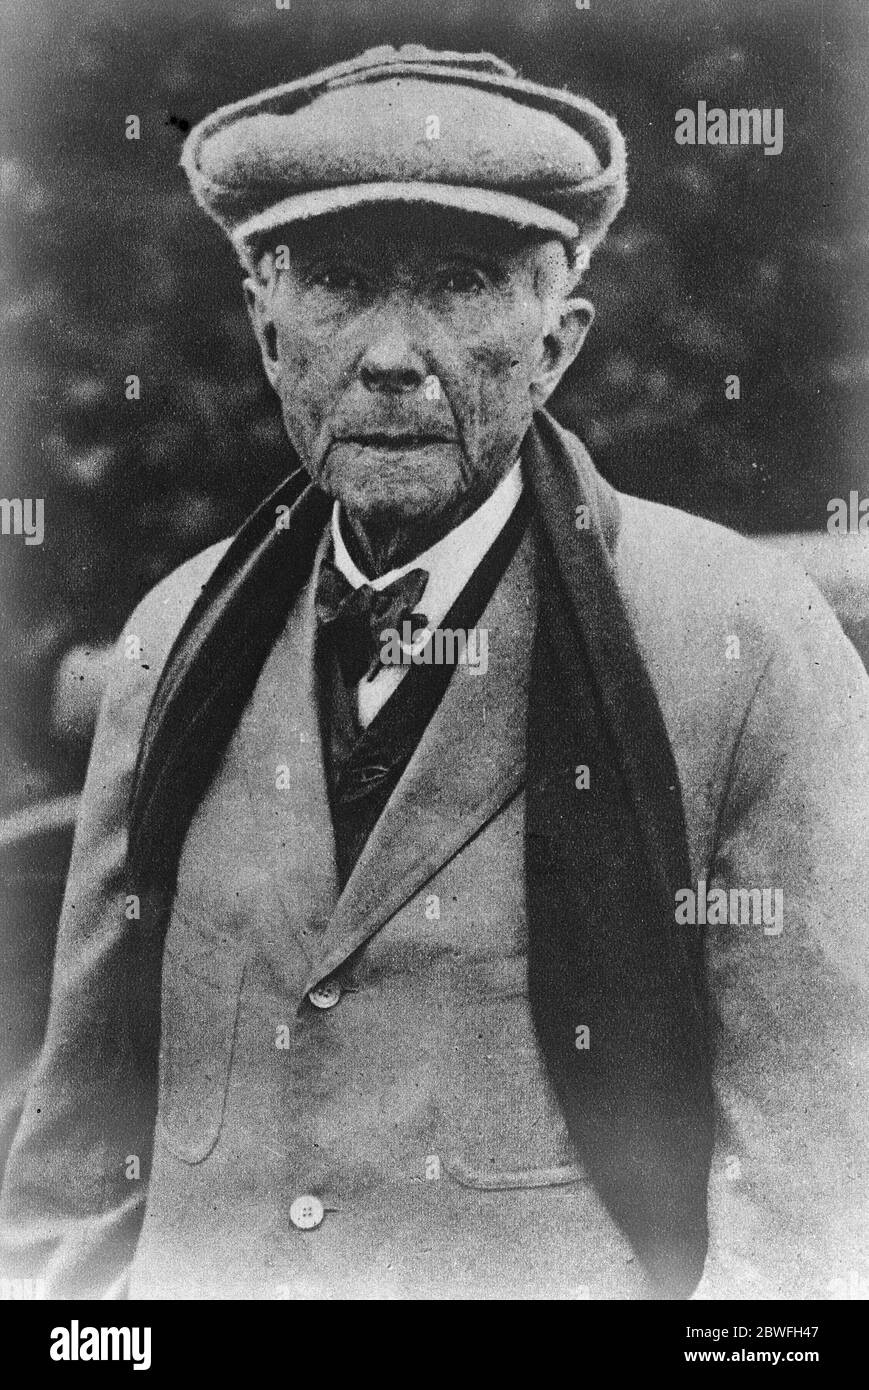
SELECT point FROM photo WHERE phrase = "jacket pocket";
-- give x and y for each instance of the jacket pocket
(502, 1128)
(203, 969)
(499, 1121)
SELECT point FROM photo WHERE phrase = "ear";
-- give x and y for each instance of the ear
(564, 336)
(257, 297)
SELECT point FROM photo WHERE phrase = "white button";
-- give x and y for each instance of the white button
(325, 995)
(306, 1213)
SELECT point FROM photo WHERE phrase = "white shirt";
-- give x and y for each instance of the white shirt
(450, 563)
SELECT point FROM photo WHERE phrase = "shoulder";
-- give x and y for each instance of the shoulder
(133, 670)
(706, 590)
(148, 635)
(695, 564)
(157, 619)
(160, 615)
(742, 647)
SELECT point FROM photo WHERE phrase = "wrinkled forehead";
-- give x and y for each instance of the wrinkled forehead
(398, 234)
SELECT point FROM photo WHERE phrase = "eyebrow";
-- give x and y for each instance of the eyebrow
(477, 255)
(340, 247)
(309, 257)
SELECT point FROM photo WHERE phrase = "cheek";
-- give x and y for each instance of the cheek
(308, 381)
(501, 368)
(503, 352)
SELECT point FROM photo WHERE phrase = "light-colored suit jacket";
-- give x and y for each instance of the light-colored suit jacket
(417, 1109)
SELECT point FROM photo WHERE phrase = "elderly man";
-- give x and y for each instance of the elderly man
(388, 970)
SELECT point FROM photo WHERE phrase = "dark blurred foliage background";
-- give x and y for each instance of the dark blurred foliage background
(725, 261)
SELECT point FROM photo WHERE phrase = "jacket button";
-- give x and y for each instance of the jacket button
(325, 995)
(306, 1213)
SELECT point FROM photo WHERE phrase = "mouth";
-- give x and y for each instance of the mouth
(399, 442)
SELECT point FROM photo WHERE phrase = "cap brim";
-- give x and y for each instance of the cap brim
(521, 212)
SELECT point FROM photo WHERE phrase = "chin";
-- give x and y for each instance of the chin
(368, 484)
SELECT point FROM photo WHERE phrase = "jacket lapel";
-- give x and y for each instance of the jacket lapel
(280, 748)
(468, 764)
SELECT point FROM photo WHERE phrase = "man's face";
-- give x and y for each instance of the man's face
(409, 349)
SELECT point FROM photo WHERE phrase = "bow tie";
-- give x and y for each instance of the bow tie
(355, 618)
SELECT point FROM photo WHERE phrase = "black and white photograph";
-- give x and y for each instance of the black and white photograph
(434, 813)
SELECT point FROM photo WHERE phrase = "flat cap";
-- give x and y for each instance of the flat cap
(410, 125)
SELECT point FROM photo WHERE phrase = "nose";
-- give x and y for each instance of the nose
(390, 362)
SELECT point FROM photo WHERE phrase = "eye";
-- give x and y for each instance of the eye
(464, 279)
(338, 279)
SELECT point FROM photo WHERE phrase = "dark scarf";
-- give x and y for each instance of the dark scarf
(602, 865)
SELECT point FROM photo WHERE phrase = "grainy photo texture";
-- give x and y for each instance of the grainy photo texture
(435, 568)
